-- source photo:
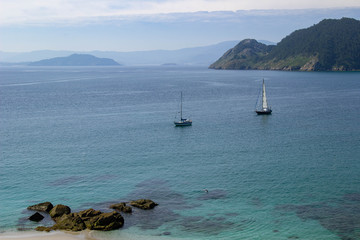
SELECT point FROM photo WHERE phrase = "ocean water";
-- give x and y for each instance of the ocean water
(89, 137)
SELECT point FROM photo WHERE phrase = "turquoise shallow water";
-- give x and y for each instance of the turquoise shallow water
(88, 137)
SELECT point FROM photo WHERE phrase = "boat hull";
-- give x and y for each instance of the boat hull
(263, 112)
(183, 123)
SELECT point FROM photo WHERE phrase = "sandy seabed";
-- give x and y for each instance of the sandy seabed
(86, 235)
(63, 235)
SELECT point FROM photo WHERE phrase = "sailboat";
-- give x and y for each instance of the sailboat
(183, 121)
(265, 109)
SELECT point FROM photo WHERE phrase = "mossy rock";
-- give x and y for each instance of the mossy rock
(59, 210)
(41, 207)
(144, 204)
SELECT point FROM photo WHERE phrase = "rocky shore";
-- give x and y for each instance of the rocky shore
(90, 219)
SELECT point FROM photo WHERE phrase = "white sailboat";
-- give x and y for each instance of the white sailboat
(183, 121)
(265, 109)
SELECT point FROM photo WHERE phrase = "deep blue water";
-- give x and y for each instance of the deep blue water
(88, 137)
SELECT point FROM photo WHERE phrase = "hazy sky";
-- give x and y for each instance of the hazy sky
(124, 25)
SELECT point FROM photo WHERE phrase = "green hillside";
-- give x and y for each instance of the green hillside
(331, 45)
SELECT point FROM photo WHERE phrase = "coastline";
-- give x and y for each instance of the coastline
(67, 235)
(54, 235)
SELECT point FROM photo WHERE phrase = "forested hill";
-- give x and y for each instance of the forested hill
(331, 45)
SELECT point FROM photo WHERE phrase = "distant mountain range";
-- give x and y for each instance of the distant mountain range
(189, 56)
(76, 60)
(331, 45)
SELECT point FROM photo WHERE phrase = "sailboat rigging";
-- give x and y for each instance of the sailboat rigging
(265, 109)
(183, 121)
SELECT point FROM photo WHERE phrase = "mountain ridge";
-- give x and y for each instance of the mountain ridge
(203, 55)
(330, 45)
(75, 60)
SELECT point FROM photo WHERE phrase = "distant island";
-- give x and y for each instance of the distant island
(200, 56)
(331, 45)
(76, 60)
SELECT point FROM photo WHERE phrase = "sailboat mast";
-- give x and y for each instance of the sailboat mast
(264, 101)
(181, 107)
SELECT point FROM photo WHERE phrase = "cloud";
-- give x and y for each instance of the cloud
(70, 11)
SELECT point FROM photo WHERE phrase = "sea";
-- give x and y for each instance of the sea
(88, 137)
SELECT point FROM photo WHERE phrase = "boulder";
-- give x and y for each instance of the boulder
(144, 204)
(106, 221)
(87, 219)
(42, 207)
(121, 207)
(87, 215)
(70, 222)
(59, 210)
(36, 217)
(43, 229)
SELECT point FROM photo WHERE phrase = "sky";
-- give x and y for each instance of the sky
(137, 25)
